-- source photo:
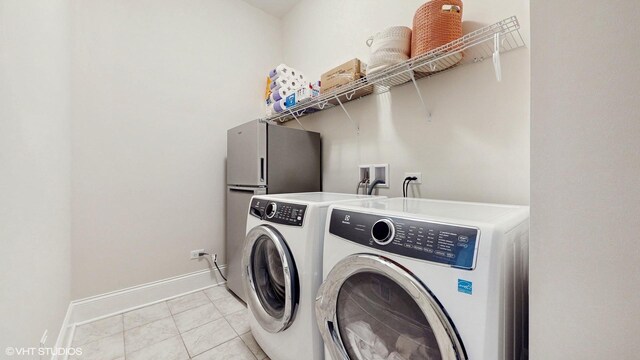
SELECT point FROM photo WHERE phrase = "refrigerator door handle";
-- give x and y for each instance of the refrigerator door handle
(262, 169)
(253, 190)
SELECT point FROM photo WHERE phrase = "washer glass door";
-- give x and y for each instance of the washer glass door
(371, 308)
(270, 278)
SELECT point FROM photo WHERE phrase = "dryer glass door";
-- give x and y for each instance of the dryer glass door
(270, 278)
(371, 308)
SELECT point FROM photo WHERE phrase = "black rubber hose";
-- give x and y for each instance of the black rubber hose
(358, 188)
(404, 192)
(405, 188)
(375, 183)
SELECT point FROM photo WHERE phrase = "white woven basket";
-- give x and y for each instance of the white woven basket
(383, 58)
(392, 38)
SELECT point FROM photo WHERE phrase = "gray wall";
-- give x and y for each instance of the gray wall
(34, 170)
(585, 180)
(156, 84)
(476, 148)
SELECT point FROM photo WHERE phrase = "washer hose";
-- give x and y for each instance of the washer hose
(374, 185)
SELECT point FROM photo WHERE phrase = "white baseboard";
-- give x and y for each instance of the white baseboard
(101, 306)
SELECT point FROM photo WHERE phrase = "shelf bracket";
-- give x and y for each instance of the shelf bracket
(496, 57)
(424, 104)
(347, 113)
(350, 94)
(323, 104)
(295, 117)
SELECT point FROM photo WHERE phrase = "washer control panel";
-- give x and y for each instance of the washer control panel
(447, 244)
(278, 212)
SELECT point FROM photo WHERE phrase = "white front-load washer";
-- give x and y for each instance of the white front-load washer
(282, 270)
(409, 279)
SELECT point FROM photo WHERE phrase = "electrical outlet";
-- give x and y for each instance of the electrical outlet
(414, 174)
(195, 254)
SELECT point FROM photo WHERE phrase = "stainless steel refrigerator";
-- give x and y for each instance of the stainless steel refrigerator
(264, 159)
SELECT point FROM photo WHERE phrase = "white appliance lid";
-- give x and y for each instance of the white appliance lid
(319, 197)
(476, 212)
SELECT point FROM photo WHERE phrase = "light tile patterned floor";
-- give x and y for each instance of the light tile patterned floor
(205, 325)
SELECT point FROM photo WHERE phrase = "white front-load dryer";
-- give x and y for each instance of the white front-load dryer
(282, 270)
(409, 279)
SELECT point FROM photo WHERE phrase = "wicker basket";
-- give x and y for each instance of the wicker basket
(436, 23)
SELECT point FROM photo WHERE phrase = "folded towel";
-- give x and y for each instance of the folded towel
(408, 348)
(396, 356)
(365, 343)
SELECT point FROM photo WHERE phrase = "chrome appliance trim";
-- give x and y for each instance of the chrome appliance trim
(268, 322)
(449, 343)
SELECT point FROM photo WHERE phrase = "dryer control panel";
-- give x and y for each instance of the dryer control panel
(278, 212)
(446, 244)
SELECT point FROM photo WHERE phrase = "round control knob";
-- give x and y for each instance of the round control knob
(383, 231)
(271, 209)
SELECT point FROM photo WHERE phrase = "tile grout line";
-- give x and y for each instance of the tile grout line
(223, 317)
(155, 341)
(180, 333)
(97, 339)
(124, 343)
(172, 315)
(234, 329)
(122, 313)
(246, 308)
(138, 307)
(227, 322)
(247, 345)
(243, 343)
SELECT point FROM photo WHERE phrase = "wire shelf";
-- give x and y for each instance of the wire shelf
(485, 43)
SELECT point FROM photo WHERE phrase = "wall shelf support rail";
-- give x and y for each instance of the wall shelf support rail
(357, 126)
(496, 57)
(424, 104)
(296, 118)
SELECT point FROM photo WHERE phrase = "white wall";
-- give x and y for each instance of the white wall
(156, 85)
(34, 170)
(585, 171)
(477, 146)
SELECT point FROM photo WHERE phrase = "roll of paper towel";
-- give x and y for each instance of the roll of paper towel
(284, 82)
(278, 94)
(300, 77)
(281, 75)
(284, 71)
(277, 88)
(276, 107)
(279, 106)
(279, 83)
(280, 69)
